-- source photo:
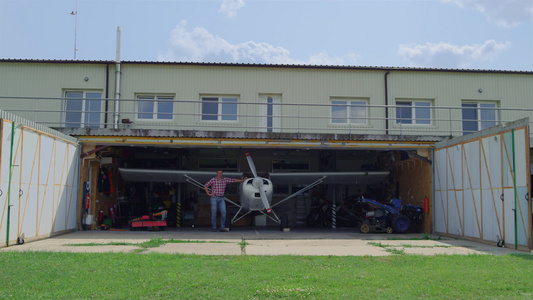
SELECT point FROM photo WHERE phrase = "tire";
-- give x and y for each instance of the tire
(364, 228)
(20, 241)
(401, 224)
(284, 222)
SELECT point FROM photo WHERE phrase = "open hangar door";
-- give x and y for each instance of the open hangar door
(38, 181)
(483, 187)
(148, 194)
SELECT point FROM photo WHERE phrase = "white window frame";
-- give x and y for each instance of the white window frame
(348, 117)
(220, 116)
(82, 123)
(415, 120)
(157, 99)
(480, 122)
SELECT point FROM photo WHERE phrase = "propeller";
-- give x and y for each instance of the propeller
(258, 183)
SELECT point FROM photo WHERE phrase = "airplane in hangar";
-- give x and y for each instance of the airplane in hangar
(255, 193)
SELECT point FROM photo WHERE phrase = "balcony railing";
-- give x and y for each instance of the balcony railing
(248, 116)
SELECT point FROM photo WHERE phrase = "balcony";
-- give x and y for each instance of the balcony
(247, 119)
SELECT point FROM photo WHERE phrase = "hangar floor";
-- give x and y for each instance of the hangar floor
(260, 241)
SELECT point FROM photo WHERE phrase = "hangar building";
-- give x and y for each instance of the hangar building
(458, 138)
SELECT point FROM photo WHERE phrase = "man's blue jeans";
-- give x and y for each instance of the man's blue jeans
(220, 204)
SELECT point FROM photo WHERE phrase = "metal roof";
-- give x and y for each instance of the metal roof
(259, 65)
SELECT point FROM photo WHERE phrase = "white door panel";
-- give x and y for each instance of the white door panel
(486, 187)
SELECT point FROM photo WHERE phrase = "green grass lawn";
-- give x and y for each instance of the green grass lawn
(25, 275)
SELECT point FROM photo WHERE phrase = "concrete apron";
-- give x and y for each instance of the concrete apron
(261, 241)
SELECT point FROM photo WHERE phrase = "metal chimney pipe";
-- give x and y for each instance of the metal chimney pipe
(117, 79)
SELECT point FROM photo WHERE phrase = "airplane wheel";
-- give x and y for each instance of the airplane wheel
(364, 228)
(284, 222)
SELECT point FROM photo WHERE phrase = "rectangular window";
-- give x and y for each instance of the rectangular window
(83, 109)
(349, 112)
(478, 116)
(413, 112)
(155, 107)
(269, 113)
(219, 108)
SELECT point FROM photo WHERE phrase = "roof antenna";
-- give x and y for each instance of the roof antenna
(75, 14)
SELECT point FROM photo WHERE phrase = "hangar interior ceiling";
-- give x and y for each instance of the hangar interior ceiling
(138, 198)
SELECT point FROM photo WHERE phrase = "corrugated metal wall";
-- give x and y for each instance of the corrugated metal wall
(48, 80)
(297, 86)
(450, 89)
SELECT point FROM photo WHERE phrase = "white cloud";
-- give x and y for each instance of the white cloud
(443, 55)
(507, 13)
(199, 45)
(323, 58)
(230, 7)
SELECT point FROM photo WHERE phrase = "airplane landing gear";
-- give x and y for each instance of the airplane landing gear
(284, 222)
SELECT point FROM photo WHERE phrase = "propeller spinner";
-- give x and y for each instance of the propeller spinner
(258, 183)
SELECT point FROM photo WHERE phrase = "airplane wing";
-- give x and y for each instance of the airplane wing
(328, 177)
(149, 175)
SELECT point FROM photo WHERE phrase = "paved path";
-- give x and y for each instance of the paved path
(261, 241)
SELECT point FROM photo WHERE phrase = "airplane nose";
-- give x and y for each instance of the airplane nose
(257, 182)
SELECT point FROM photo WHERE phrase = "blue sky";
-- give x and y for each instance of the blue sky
(466, 34)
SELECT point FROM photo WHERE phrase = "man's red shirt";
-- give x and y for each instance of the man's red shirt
(218, 185)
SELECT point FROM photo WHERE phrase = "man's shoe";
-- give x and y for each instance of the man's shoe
(222, 230)
(214, 230)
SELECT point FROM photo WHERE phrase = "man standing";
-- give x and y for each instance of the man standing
(218, 187)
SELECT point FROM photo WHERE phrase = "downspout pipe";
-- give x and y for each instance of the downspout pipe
(117, 79)
(386, 102)
(106, 95)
